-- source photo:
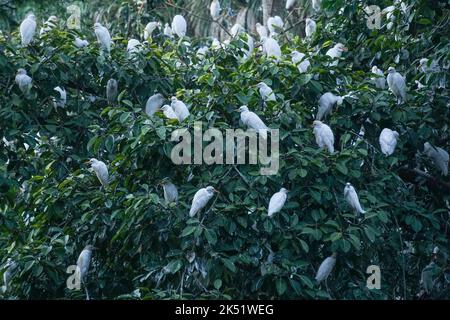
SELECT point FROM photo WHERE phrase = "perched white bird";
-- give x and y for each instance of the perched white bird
(277, 201)
(236, 30)
(439, 156)
(61, 100)
(274, 24)
(8, 273)
(150, 28)
(251, 120)
(380, 80)
(111, 91)
(326, 103)
(200, 200)
(388, 141)
(23, 80)
(83, 262)
(325, 268)
(301, 63)
(352, 198)
(261, 30)
(154, 103)
(168, 112)
(28, 29)
(214, 9)
(397, 84)
(335, 53)
(79, 43)
(290, 4)
(419, 85)
(168, 31)
(215, 44)
(101, 170)
(179, 26)
(170, 191)
(133, 47)
(103, 36)
(310, 27)
(425, 68)
(316, 5)
(426, 277)
(272, 48)
(324, 135)
(180, 109)
(266, 92)
(48, 25)
(201, 52)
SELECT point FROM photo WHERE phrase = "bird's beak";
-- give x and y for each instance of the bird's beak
(345, 48)
(87, 162)
(216, 191)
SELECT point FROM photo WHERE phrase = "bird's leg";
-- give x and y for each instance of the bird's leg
(326, 286)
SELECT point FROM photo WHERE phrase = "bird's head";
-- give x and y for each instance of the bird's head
(243, 109)
(284, 190)
(391, 70)
(52, 19)
(374, 69)
(340, 47)
(260, 85)
(308, 21)
(211, 190)
(97, 25)
(31, 16)
(258, 25)
(426, 147)
(165, 107)
(173, 99)
(423, 62)
(340, 100)
(396, 134)
(91, 161)
(334, 254)
(317, 123)
(21, 71)
(90, 247)
(348, 185)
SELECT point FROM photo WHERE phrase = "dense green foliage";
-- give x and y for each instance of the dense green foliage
(51, 205)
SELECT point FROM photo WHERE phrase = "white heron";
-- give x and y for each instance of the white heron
(439, 156)
(277, 201)
(272, 48)
(61, 100)
(168, 31)
(201, 52)
(251, 120)
(397, 84)
(150, 28)
(83, 262)
(310, 27)
(352, 199)
(380, 80)
(214, 9)
(48, 25)
(266, 92)
(27, 29)
(103, 36)
(154, 103)
(10, 267)
(80, 43)
(180, 109)
(316, 5)
(290, 4)
(179, 26)
(133, 47)
(426, 67)
(335, 53)
(325, 268)
(101, 170)
(170, 191)
(261, 30)
(299, 60)
(236, 30)
(324, 135)
(111, 91)
(215, 44)
(200, 200)
(168, 112)
(23, 80)
(326, 103)
(274, 24)
(388, 141)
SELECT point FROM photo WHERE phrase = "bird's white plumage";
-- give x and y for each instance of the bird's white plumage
(180, 109)
(290, 4)
(149, 29)
(266, 92)
(83, 262)
(168, 31)
(48, 25)
(316, 5)
(426, 67)
(310, 27)
(101, 170)
(397, 84)
(200, 200)
(388, 141)
(325, 268)
(236, 30)
(23, 80)
(103, 36)
(324, 135)
(170, 192)
(61, 100)
(251, 120)
(111, 91)
(154, 103)
(27, 29)
(272, 48)
(169, 113)
(299, 60)
(80, 43)
(439, 156)
(326, 103)
(335, 53)
(274, 24)
(214, 9)
(380, 80)
(277, 201)
(352, 199)
(179, 25)
(133, 47)
(261, 30)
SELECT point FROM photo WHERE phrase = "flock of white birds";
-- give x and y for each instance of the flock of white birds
(178, 110)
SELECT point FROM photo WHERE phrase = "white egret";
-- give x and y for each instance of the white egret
(299, 60)
(326, 103)
(180, 109)
(80, 43)
(380, 80)
(150, 28)
(290, 4)
(28, 29)
(83, 262)
(236, 30)
(111, 91)
(324, 135)
(251, 120)
(277, 201)
(48, 25)
(168, 112)
(103, 36)
(200, 200)
(10, 267)
(272, 48)
(168, 31)
(261, 30)
(61, 100)
(179, 26)
(426, 67)
(274, 24)
(101, 170)
(154, 103)
(201, 52)
(23, 80)
(310, 27)
(326, 267)
(133, 47)
(266, 92)
(335, 53)
(170, 190)
(215, 44)
(214, 9)
(352, 199)
(316, 5)
(397, 84)
(439, 156)
(388, 141)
